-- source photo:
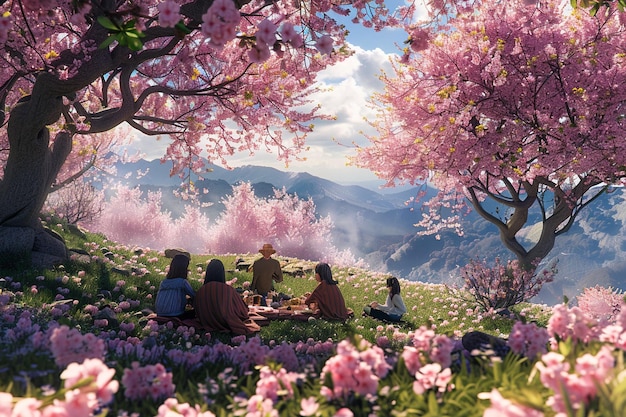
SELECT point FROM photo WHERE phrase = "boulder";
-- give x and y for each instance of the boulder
(44, 247)
(170, 253)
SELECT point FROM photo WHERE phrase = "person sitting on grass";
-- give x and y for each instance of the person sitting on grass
(394, 307)
(326, 297)
(171, 299)
(218, 305)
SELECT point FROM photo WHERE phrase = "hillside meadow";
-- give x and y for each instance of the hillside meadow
(77, 340)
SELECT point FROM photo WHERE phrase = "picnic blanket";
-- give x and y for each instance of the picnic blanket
(194, 322)
(281, 313)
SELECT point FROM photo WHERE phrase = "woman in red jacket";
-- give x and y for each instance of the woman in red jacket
(327, 296)
(218, 305)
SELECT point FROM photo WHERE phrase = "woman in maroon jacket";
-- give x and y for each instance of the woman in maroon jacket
(218, 305)
(327, 296)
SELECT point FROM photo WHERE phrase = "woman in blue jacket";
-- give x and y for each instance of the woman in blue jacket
(171, 299)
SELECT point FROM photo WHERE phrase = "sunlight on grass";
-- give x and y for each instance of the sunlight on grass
(108, 290)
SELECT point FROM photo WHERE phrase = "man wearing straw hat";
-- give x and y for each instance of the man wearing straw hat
(264, 270)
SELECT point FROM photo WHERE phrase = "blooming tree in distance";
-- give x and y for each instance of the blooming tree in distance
(247, 221)
(214, 77)
(514, 103)
(290, 223)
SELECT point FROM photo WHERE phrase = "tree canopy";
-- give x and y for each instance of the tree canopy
(212, 77)
(517, 103)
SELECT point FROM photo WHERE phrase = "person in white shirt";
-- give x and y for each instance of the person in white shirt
(394, 307)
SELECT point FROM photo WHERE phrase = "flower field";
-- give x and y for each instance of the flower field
(78, 341)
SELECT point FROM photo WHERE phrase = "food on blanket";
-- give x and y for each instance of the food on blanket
(296, 301)
(253, 299)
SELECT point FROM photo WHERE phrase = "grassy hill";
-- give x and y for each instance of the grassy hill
(96, 306)
(102, 272)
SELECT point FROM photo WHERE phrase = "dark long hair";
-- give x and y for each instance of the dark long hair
(215, 272)
(325, 273)
(178, 267)
(394, 284)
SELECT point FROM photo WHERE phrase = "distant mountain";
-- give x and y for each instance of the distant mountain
(380, 227)
(301, 183)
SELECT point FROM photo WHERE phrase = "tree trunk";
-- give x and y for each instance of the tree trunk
(557, 222)
(31, 169)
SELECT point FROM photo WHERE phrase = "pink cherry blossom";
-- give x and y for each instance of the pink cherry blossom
(169, 13)
(266, 32)
(463, 115)
(324, 44)
(259, 52)
(289, 34)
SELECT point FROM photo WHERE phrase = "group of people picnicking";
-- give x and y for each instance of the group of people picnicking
(219, 307)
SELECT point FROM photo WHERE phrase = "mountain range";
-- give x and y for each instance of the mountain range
(379, 227)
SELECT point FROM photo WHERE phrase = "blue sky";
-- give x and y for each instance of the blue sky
(352, 81)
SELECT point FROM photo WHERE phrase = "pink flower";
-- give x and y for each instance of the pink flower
(266, 32)
(528, 339)
(419, 39)
(69, 345)
(169, 13)
(271, 383)
(260, 407)
(259, 53)
(431, 376)
(326, 393)
(103, 385)
(101, 322)
(289, 34)
(352, 371)
(150, 381)
(344, 412)
(171, 408)
(501, 407)
(220, 22)
(309, 406)
(28, 407)
(6, 404)
(324, 44)
(383, 341)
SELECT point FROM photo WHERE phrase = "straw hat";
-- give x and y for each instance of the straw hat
(267, 248)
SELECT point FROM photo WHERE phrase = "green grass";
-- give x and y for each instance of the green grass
(126, 279)
(96, 282)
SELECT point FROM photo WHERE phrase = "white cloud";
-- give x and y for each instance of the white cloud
(350, 84)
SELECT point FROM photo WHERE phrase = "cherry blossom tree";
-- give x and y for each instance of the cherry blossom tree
(515, 107)
(214, 77)
(247, 221)
(79, 201)
(290, 223)
(132, 218)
